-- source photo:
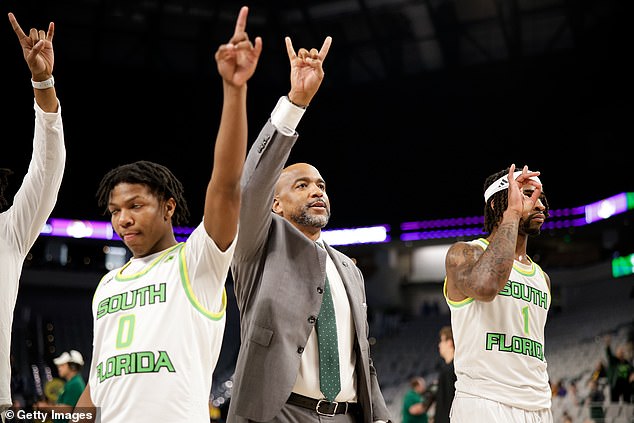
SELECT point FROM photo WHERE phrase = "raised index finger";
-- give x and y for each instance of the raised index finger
(16, 26)
(241, 23)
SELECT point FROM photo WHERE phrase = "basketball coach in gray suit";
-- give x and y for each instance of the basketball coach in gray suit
(279, 274)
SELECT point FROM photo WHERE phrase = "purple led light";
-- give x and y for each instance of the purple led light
(606, 208)
(448, 233)
(70, 228)
(442, 223)
(426, 229)
(568, 223)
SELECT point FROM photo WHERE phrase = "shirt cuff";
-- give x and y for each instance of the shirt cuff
(39, 109)
(286, 116)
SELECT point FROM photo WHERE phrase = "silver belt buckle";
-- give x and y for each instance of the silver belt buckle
(328, 402)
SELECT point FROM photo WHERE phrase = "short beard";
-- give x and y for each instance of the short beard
(304, 219)
(527, 229)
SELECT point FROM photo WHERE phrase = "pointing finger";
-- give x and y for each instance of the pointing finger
(241, 23)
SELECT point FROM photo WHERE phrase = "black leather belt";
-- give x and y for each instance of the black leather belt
(324, 407)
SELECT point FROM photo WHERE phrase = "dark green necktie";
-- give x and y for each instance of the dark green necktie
(329, 379)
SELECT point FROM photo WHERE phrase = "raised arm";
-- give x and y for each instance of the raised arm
(271, 149)
(35, 199)
(236, 62)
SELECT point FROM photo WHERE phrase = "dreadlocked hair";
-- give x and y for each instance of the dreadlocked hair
(493, 215)
(160, 181)
(4, 183)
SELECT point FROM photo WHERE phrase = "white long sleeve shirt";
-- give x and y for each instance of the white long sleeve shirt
(21, 224)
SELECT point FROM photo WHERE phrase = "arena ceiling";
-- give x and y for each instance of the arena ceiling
(422, 98)
(374, 40)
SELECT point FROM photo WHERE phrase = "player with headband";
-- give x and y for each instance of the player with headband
(499, 300)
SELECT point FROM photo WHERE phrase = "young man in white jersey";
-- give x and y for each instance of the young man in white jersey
(499, 300)
(22, 222)
(159, 320)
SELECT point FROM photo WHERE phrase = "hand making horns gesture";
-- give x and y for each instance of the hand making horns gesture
(37, 48)
(307, 71)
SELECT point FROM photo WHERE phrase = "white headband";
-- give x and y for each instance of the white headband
(503, 183)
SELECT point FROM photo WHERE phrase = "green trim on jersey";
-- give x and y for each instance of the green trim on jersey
(531, 272)
(185, 282)
(483, 242)
(464, 302)
(118, 277)
(124, 278)
(192, 297)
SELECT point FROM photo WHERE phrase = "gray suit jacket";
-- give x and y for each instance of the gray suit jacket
(277, 272)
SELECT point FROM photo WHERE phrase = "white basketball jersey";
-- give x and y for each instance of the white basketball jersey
(500, 344)
(156, 342)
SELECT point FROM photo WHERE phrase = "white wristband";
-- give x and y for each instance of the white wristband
(43, 84)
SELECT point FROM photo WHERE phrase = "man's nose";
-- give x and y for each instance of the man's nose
(124, 218)
(539, 205)
(317, 191)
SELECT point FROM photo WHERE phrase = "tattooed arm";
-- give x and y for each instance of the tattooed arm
(478, 273)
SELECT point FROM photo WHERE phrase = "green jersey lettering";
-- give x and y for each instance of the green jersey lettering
(516, 345)
(140, 297)
(526, 293)
(134, 363)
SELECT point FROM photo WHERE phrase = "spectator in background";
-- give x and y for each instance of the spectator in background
(594, 401)
(599, 371)
(69, 366)
(415, 403)
(570, 402)
(559, 389)
(446, 376)
(619, 373)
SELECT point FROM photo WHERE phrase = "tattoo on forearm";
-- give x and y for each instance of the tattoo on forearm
(502, 252)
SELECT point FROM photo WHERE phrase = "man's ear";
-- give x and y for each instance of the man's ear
(277, 207)
(170, 207)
